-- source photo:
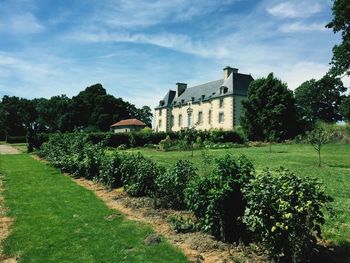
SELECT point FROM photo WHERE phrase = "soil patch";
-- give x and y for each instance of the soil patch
(7, 149)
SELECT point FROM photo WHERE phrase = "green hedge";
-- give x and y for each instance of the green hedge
(280, 210)
(140, 139)
(16, 139)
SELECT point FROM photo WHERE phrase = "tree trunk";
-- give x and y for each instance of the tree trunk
(319, 157)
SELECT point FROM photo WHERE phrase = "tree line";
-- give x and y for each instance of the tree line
(272, 112)
(91, 110)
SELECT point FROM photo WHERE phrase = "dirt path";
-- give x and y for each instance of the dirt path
(7, 149)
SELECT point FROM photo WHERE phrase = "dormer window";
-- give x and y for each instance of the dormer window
(225, 90)
(192, 99)
(161, 103)
(203, 96)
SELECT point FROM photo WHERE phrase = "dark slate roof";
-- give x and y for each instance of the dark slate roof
(235, 84)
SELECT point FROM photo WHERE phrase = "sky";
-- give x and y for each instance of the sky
(138, 49)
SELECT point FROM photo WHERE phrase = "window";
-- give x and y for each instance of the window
(200, 117)
(172, 120)
(221, 103)
(160, 112)
(160, 123)
(180, 120)
(209, 117)
(189, 120)
(221, 117)
(192, 99)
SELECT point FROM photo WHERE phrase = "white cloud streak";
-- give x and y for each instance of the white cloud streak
(295, 9)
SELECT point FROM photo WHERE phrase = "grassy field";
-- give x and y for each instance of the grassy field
(58, 221)
(300, 158)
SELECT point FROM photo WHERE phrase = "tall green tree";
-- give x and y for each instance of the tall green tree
(320, 100)
(345, 108)
(341, 23)
(17, 115)
(269, 110)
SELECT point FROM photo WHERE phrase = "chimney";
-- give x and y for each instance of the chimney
(180, 88)
(228, 70)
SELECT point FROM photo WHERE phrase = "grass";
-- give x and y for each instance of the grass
(22, 147)
(58, 221)
(300, 158)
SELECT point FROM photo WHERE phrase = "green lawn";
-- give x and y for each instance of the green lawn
(22, 147)
(302, 159)
(58, 221)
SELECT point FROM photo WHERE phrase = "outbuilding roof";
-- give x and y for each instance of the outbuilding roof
(129, 122)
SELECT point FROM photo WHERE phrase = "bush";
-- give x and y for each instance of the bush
(183, 224)
(16, 139)
(110, 174)
(285, 212)
(171, 185)
(164, 145)
(139, 174)
(216, 198)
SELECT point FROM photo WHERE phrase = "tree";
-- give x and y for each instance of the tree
(269, 110)
(318, 137)
(145, 115)
(341, 23)
(320, 100)
(345, 108)
(17, 115)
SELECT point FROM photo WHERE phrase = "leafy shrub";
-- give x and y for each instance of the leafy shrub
(93, 158)
(110, 174)
(183, 224)
(285, 212)
(217, 200)
(139, 174)
(165, 144)
(171, 185)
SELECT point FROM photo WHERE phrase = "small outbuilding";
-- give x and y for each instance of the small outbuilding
(128, 125)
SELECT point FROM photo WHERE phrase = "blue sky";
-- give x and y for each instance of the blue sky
(138, 49)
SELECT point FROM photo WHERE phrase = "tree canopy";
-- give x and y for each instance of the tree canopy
(341, 23)
(320, 100)
(92, 109)
(345, 108)
(269, 111)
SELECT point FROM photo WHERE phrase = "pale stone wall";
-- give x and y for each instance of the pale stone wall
(227, 109)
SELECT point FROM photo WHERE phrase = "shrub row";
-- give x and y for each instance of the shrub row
(278, 209)
(140, 138)
(16, 139)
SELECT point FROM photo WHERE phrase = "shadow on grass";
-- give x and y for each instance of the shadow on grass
(334, 253)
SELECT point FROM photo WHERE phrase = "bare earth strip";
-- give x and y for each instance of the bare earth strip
(7, 149)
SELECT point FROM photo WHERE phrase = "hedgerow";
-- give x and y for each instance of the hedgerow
(172, 184)
(280, 210)
(285, 213)
(217, 199)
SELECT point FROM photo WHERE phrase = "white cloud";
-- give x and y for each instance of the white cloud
(302, 27)
(21, 23)
(178, 42)
(295, 9)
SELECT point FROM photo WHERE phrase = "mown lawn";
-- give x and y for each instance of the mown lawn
(300, 158)
(58, 221)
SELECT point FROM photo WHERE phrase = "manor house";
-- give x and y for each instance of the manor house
(213, 105)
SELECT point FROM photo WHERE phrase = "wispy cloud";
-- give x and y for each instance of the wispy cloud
(302, 27)
(21, 23)
(295, 9)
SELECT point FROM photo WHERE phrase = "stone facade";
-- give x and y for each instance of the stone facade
(214, 105)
